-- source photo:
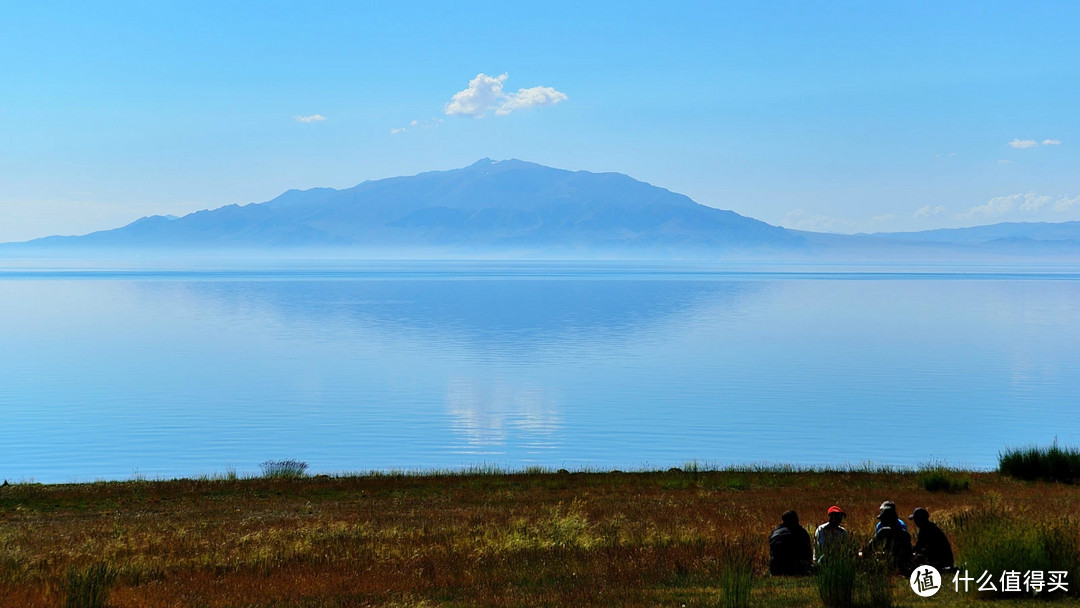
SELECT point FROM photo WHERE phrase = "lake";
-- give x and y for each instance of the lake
(110, 374)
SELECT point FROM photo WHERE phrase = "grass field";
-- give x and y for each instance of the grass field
(489, 538)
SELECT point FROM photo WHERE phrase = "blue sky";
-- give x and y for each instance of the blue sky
(834, 116)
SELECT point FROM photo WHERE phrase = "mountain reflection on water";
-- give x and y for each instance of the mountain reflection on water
(497, 327)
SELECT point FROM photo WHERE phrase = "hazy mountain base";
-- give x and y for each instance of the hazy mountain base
(819, 251)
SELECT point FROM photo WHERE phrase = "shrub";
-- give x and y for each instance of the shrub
(1052, 464)
(283, 469)
(941, 479)
(88, 588)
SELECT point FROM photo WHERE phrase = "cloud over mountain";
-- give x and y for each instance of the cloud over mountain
(485, 94)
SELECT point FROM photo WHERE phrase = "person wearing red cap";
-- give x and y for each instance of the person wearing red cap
(830, 532)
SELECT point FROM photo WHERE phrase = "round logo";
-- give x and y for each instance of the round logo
(925, 581)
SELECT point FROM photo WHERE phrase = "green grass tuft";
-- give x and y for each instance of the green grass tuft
(88, 588)
(942, 479)
(736, 573)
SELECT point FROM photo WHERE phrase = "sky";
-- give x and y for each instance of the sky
(838, 117)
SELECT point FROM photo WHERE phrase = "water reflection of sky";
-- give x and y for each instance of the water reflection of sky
(164, 377)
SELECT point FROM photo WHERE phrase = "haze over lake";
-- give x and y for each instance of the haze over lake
(413, 365)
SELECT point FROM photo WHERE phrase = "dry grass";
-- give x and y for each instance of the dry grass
(529, 539)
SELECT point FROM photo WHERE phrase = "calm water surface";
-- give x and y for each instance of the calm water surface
(115, 374)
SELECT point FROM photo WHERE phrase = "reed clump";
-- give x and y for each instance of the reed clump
(874, 582)
(836, 572)
(737, 572)
(283, 469)
(995, 539)
(1053, 463)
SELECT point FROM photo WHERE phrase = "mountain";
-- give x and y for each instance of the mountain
(508, 206)
(514, 208)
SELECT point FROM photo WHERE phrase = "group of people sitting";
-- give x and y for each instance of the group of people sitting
(792, 553)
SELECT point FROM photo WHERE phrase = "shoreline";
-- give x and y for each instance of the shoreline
(480, 538)
(484, 469)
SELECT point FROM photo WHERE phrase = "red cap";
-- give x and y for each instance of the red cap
(836, 509)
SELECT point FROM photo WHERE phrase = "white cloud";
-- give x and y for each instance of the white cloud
(930, 211)
(1001, 205)
(430, 123)
(1065, 203)
(310, 119)
(485, 94)
(1004, 162)
(1023, 144)
(800, 219)
(998, 205)
(530, 98)
(482, 95)
(1033, 203)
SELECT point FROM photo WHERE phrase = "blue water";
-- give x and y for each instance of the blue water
(108, 375)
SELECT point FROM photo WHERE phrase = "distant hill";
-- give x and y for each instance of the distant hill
(1003, 233)
(1010, 240)
(510, 206)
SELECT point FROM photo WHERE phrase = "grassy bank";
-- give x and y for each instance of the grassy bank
(485, 538)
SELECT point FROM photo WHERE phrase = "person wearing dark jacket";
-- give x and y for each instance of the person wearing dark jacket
(790, 551)
(892, 541)
(932, 547)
